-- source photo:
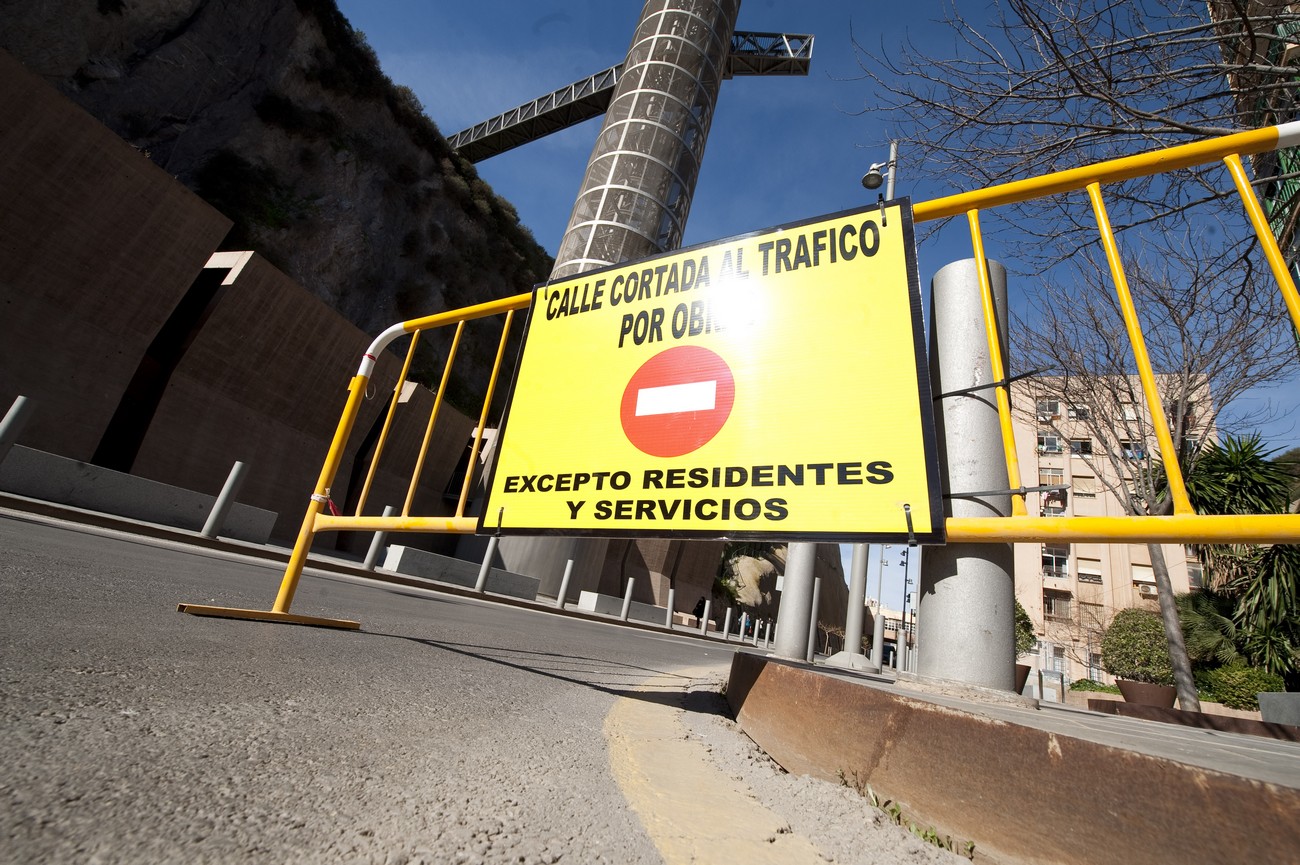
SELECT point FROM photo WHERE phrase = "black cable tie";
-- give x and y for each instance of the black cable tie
(880, 198)
(979, 387)
(1019, 492)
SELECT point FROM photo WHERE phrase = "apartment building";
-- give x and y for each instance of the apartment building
(1090, 454)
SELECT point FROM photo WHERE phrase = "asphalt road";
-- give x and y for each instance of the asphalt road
(448, 730)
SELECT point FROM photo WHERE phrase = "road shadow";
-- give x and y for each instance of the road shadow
(616, 678)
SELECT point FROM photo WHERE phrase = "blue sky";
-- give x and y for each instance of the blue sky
(780, 149)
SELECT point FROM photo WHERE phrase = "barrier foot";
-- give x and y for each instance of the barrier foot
(266, 616)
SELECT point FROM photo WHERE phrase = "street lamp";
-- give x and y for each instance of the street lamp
(875, 177)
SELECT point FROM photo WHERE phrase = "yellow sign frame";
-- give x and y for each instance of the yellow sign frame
(812, 441)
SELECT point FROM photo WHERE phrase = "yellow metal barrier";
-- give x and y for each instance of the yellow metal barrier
(1183, 526)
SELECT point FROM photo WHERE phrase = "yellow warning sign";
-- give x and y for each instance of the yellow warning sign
(766, 386)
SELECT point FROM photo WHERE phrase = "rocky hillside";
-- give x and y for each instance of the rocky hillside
(277, 113)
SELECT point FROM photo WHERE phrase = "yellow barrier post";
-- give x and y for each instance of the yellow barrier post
(1155, 406)
(298, 559)
(1003, 389)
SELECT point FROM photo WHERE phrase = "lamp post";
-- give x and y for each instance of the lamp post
(874, 177)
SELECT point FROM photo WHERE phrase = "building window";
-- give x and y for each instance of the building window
(1079, 412)
(1195, 575)
(1048, 442)
(1132, 450)
(1056, 605)
(1056, 560)
(1053, 509)
(1085, 487)
(1047, 409)
(1050, 477)
(1081, 446)
(1129, 411)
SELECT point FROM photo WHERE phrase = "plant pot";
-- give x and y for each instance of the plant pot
(1147, 694)
(1280, 707)
(1022, 676)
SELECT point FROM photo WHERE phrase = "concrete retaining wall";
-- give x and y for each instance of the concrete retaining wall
(444, 569)
(98, 248)
(1020, 792)
(52, 478)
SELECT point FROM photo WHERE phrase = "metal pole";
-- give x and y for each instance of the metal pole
(564, 585)
(225, 501)
(857, 600)
(878, 639)
(878, 626)
(12, 425)
(967, 598)
(668, 618)
(889, 176)
(704, 620)
(627, 599)
(796, 601)
(812, 625)
(481, 584)
(377, 542)
(726, 627)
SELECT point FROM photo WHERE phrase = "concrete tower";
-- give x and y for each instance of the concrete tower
(637, 191)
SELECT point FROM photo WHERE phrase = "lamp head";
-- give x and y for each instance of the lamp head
(873, 179)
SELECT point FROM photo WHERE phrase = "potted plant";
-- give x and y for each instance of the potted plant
(1026, 642)
(1134, 650)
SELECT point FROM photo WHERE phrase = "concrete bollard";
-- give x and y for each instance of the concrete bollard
(480, 585)
(627, 599)
(812, 625)
(564, 585)
(12, 425)
(377, 543)
(704, 621)
(668, 617)
(796, 601)
(225, 501)
(857, 600)
(726, 627)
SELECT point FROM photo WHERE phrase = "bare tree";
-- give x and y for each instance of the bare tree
(1045, 85)
(1207, 347)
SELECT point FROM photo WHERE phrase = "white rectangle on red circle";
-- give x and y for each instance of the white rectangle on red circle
(676, 398)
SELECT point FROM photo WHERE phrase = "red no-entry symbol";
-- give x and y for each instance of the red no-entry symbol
(677, 401)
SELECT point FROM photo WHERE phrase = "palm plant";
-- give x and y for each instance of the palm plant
(1237, 477)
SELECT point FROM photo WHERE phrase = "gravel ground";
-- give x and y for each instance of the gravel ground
(837, 819)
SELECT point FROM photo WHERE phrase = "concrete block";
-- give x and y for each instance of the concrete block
(457, 572)
(52, 478)
(609, 605)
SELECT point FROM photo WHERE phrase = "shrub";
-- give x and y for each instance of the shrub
(1134, 648)
(1026, 641)
(1090, 685)
(1236, 685)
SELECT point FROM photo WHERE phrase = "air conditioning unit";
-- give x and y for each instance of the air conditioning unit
(1146, 590)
